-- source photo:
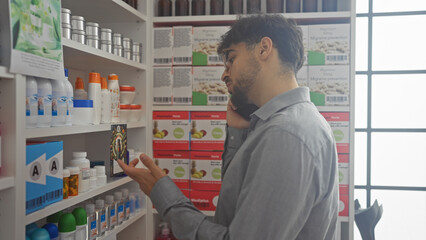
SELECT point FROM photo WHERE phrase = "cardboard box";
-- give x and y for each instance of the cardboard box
(182, 45)
(54, 167)
(208, 88)
(339, 123)
(175, 164)
(305, 32)
(344, 205)
(208, 130)
(343, 173)
(302, 76)
(206, 41)
(163, 79)
(171, 130)
(329, 85)
(204, 200)
(206, 170)
(118, 150)
(163, 46)
(182, 86)
(35, 181)
(329, 44)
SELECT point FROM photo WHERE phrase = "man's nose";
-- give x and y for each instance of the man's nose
(225, 74)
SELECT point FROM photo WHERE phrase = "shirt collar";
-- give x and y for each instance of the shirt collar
(297, 95)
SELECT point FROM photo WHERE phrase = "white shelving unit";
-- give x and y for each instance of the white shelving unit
(6, 182)
(207, 213)
(124, 225)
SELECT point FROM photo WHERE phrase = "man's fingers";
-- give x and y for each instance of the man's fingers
(134, 162)
(123, 165)
(155, 170)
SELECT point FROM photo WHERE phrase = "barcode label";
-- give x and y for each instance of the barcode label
(182, 59)
(54, 195)
(162, 60)
(215, 59)
(162, 99)
(35, 203)
(218, 99)
(337, 99)
(182, 100)
(337, 58)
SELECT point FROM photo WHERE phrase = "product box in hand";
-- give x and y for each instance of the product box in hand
(204, 200)
(171, 130)
(305, 32)
(329, 85)
(182, 86)
(175, 164)
(206, 41)
(118, 150)
(182, 45)
(329, 44)
(207, 86)
(35, 177)
(206, 170)
(302, 76)
(208, 130)
(163, 80)
(163, 46)
(54, 167)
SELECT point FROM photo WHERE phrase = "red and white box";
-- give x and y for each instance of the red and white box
(339, 123)
(206, 170)
(171, 130)
(344, 205)
(344, 173)
(208, 130)
(176, 165)
(204, 200)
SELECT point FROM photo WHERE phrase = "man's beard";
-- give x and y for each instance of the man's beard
(245, 82)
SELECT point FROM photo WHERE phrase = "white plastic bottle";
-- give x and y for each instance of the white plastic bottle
(94, 91)
(79, 160)
(44, 102)
(106, 102)
(79, 92)
(112, 211)
(101, 216)
(118, 198)
(114, 89)
(70, 99)
(92, 223)
(59, 103)
(31, 103)
(126, 203)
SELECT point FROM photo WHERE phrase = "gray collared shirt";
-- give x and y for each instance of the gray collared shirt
(279, 179)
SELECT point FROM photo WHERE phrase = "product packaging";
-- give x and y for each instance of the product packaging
(35, 181)
(118, 198)
(105, 102)
(182, 86)
(171, 130)
(31, 102)
(176, 165)
(305, 39)
(54, 167)
(83, 112)
(95, 95)
(206, 41)
(302, 76)
(344, 200)
(67, 226)
(59, 103)
(118, 149)
(208, 130)
(207, 86)
(44, 102)
(163, 46)
(70, 99)
(339, 123)
(163, 78)
(204, 200)
(81, 223)
(206, 170)
(66, 182)
(182, 45)
(79, 92)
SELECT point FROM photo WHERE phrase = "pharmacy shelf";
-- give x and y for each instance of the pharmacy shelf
(189, 108)
(123, 226)
(71, 201)
(6, 182)
(207, 213)
(343, 219)
(114, 11)
(60, 131)
(83, 57)
(317, 17)
(4, 73)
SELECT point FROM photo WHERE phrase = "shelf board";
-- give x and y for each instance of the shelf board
(189, 108)
(84, 57)
(71, 201)
(343, 219)
(69, 130)
(124, 225)
(318, 17)
(112, 11)
(333, 108)
(6, 182)
(4, 72)
(207, 213)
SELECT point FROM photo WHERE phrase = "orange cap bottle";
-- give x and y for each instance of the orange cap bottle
(104, 83)
(94, 77)
(79, 84)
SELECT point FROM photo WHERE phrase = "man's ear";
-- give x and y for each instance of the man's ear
(265, 48)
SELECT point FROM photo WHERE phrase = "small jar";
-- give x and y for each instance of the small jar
(164, 8)
(181, 8)
(198, 7)
(66, 183)
(216, 7)
(73, 184)
(235, 6)
(124, 113)
(135, 112)
(292, 6)
(83, 112)
(127, 94)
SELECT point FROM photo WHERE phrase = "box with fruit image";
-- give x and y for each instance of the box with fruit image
(206, 170)
(339, 123)
(175, 164)
(171, 130)
(208, 130)
(204, 200)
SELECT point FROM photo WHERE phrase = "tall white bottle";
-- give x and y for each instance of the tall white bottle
(31, 103)
(70, 99)
(114, 89)
(44, 102)
(94, 93)
(106, 102)
(59, 103)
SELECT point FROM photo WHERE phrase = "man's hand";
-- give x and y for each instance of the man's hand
(234, 119)
(146, 178)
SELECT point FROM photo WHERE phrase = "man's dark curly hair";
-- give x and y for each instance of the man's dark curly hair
(285, 34)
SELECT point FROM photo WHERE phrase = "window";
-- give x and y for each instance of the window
(390, 115)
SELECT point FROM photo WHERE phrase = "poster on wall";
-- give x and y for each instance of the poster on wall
(36, 38)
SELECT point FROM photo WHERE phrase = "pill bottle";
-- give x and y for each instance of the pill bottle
(73, 186)
(100, 175)
(44, 102)
(83, 112)
(66, 182)
(31, 103)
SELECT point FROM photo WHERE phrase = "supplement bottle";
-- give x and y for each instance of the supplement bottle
(164, 8)
(67, 227)
(216, 7)
(81, 223)
(79, 92)
(66, 182)
(114, 89)
(235, 6)
(106, 102)
(79, 160)
(95, 95)
(44, 102)
(73, 186)
(70, 99)
(182, 8)
(118, 198)
(253, 6)
(274, 6)
(198, 7)
(126, 203)
(112, 207)
(92, 223)
(31, 103)
(101, 216)
(59, 103)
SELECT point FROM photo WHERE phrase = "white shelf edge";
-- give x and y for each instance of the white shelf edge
(207, 213)
(189, 108)
(69, 130)
(333, 108)
(76, 46)
(343, 219)
(71, 201)
(124, 225)
(127, 7)
(6, 182)
(4, 73)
